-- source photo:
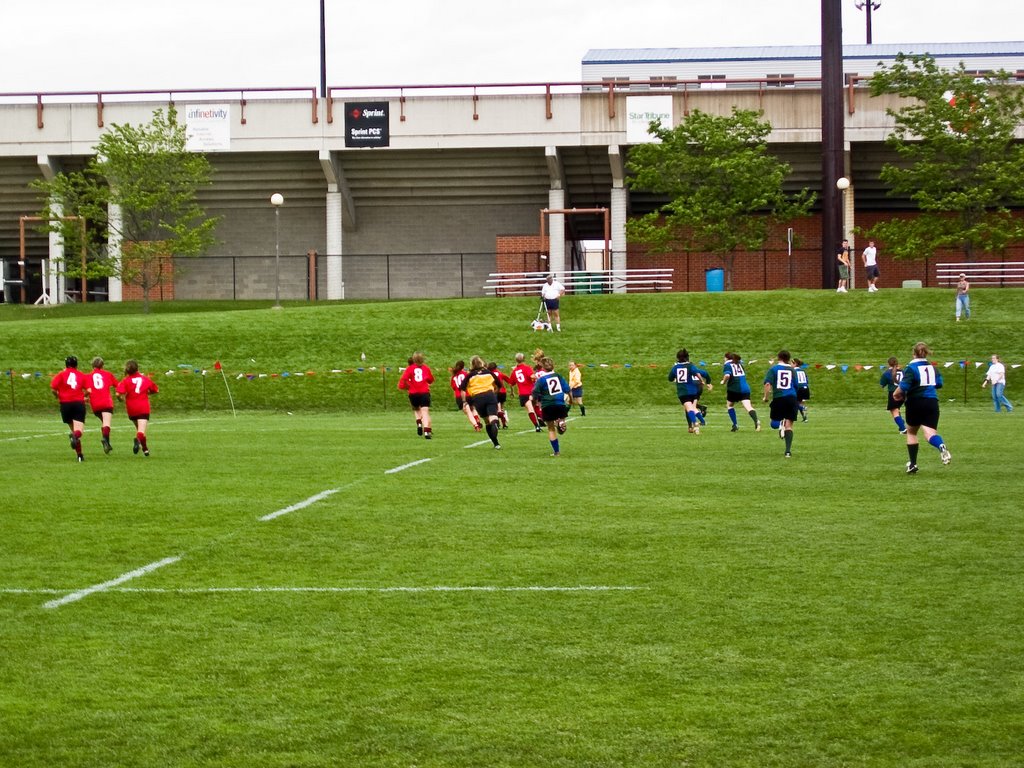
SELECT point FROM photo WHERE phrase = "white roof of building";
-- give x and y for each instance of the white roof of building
(790, 52)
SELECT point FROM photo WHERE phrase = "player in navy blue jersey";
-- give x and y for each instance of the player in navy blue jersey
(551, 397)
(690, 381)
(918, 389)
(780, 383)
(803, 387)
(891, 380)
(737, 390)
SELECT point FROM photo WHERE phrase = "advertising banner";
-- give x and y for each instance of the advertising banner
(367, 124)
(208, 127)
(640, 111)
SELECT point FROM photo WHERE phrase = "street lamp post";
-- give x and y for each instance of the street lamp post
(277, 200)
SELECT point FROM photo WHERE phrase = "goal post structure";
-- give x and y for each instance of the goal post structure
(606, 253)
(22, 221)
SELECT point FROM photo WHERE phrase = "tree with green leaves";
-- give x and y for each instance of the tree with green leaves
(725, 189)
(958, 159)
(145, 174)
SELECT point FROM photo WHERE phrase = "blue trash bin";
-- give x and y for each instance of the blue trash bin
(714, 280)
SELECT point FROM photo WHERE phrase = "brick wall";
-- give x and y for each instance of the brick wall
(162, 292)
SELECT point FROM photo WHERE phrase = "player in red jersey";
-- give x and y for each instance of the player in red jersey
(459, 374)
(69, 388)
(522, 380)
(99, 383)
(417, 378)
(502, 392)
(135, 389)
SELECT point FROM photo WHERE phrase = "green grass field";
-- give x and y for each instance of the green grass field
(323, 588)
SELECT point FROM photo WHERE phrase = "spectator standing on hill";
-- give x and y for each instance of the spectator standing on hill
(551, 292)
(737, 390)
(135, 389)
(870, 259)
(69, 388)
(522, 380)
(780, 383)
(843, 257)
(481, 388)
(690, 382)
(918, 389)
(891, 378)
(101, 400)
(996, 376)
(551, 395)
(416, 380)
(576, 386)
(963, 298)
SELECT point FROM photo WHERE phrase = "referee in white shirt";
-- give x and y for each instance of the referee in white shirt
(551, 291)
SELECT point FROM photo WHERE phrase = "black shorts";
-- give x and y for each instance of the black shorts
(872, 271)
(784, 408)
(485, 404)
(98, 413)
(134, 417)
(923, 412)
(460, 403)
(70, 412)
(553, 413)
(502, 397)
(736, 397)
(684, 399)
(803, 393)
(892, 405)
(523, 400)
(550, 304)
(420, 400)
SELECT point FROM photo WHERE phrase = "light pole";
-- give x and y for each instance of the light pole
(868, 6)
(277, 200)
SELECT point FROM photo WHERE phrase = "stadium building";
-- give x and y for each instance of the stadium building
(425, 191)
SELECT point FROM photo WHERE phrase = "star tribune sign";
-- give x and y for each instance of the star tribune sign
(367, 124)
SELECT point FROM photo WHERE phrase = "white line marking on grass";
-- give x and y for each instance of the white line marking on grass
(75, 596)
(477, 445)
(405, 466)
(328, 590)
(302, 504)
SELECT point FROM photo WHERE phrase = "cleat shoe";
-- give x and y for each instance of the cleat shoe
(76, 443)
(536, 429)
(945, 454)
(803, 415)
(696, 430)
(903, 431)
(428, 436)
(81, 458)
(145, 451)
(703, 410)
(476, 427)
(560, 425)
(735, 428)
(136, 445)
(911, 468)
(107, 447)
(757, 426)
(782, 433)
(497, 447)
(419, 430)
(554, 455)
(788, 455)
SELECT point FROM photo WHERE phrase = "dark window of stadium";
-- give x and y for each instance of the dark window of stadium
(664, 81)
(781, 81)
(712, 81)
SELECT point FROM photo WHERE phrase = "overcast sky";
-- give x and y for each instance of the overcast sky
(91, 45)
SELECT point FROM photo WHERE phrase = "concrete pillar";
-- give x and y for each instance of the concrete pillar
(55, 274)
(335, 281)
(114, 285)
(556, 231)
(619, 198)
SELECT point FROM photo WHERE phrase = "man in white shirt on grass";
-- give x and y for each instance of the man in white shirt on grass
(550, 292)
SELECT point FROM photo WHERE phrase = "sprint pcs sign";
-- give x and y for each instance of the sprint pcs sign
(366, 124)
(208, 127)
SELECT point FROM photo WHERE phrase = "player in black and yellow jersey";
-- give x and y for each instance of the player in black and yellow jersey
(481, 388)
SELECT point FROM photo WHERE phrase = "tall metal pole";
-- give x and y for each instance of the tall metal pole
(324, 52)
(277, 200)
(832, 136)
